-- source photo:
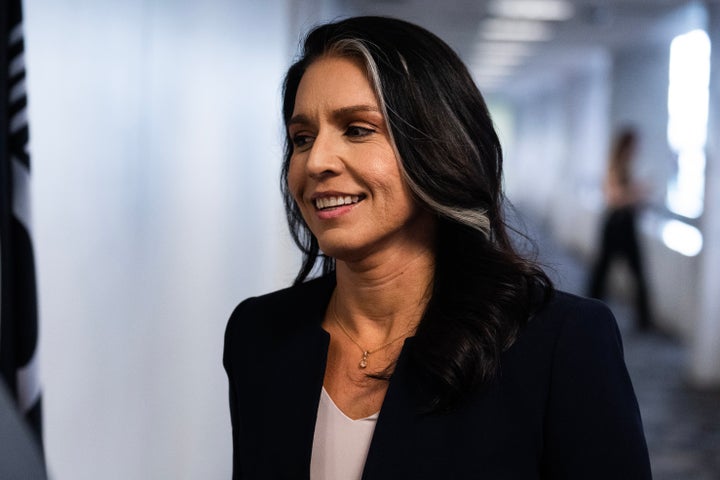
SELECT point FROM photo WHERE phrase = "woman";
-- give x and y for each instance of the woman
(619, 237)
(427, 347)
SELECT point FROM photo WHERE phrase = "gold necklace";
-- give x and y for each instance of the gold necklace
(365, 352)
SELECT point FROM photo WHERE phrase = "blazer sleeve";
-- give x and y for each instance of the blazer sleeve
(593, 428)
(230, 355)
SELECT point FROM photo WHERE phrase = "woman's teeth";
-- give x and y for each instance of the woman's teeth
(330, 202)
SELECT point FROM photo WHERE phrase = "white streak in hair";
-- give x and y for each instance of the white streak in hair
(404, 64)
(456, 121)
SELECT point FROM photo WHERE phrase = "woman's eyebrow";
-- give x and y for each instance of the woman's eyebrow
(345, 111)
(299, 118)
(337, 114)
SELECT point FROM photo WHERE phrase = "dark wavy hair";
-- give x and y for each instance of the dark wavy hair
(483, 291)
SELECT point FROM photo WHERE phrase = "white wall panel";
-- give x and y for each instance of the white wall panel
(156, 147)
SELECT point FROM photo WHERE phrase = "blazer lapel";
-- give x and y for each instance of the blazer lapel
(397, 419)
(296, 368)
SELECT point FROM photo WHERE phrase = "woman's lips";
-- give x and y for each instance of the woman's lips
(335, 204)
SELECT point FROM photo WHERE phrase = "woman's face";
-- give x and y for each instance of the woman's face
(343, 172)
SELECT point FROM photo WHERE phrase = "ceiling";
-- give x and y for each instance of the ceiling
(595, 30)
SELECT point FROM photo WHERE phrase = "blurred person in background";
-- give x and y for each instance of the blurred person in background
(415, 342)
(619, 240)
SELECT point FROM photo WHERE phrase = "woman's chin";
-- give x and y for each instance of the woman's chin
(341, 252)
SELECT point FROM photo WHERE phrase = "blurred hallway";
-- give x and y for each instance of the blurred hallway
(156, 146)
(682, 424)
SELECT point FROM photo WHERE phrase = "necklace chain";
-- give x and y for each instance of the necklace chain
(365, 352)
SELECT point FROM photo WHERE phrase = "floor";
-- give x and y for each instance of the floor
(682, 425)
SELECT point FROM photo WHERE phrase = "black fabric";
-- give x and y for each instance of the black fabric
(563, 406)
(18, 295)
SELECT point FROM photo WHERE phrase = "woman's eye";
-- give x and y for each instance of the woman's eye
(356, 131)
(300, 140)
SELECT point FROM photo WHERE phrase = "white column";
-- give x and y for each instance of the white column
(705, 350)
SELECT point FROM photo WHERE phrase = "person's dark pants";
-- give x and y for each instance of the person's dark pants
(619, 240)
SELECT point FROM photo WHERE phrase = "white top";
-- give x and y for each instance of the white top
(341, 444)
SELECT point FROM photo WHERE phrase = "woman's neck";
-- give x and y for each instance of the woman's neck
(381, 299)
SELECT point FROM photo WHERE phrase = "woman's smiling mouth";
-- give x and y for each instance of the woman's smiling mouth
(333, 201)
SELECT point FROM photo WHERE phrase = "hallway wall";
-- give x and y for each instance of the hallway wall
(156, 147)
(559, 154)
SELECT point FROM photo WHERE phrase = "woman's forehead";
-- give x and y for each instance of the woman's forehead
(335, 82)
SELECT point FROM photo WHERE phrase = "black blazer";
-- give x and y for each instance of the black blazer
(563, 406)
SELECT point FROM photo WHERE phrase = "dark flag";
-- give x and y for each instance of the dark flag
(18, 300)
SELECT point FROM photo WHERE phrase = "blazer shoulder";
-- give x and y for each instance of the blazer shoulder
(287, 298)
(572, 323)
(565, 311)
(567, 326)
(564, 303)
(282, 311)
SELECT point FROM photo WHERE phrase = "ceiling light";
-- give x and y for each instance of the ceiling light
(489, 70)
(515, 30)
(504, 49)
(532, 9)
(497, 60)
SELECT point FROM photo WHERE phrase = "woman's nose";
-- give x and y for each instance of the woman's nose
(323, 158)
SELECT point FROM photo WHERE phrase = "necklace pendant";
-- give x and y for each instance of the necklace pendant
(363, 362)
